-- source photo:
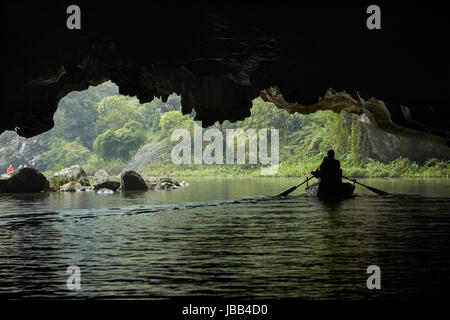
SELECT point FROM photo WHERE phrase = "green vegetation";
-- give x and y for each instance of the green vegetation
(5, 152)
(98, 128)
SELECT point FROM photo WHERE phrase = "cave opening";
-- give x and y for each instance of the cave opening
(99, 128)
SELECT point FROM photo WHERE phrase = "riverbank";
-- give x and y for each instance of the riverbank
(400, 168)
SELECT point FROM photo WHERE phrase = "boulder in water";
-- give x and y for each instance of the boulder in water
(71, 186)
(169, 186)
(184, 184)
(87, 189)
(156, 184)
(105, 191)
(100, 176)
(152, 185)
(25, 180)
(131, 180)
(73, 173)
(103, 180)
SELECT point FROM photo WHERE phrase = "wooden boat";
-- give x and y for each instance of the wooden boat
(336, 191)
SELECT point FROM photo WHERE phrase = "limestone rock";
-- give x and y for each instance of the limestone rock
(147, 154)
(71, 186)
(105, 191)
(17, 150)
(283, 55)
(131, 180)
(73, 173)
(102, 180)
(100, 176)
(25, 180)
(163, 184)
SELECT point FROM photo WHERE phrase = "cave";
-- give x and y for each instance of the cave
(219, 58)
(228, 232)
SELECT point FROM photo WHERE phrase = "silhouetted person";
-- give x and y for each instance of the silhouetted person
(329, 171)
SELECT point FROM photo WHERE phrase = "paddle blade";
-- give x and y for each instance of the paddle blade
(380, 192)
(287, 192)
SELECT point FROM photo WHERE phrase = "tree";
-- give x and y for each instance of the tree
(121, 143)
(174, 120)
(76, 117)
(64, 153)
(115, 111)
(106, 145)
(151, 116)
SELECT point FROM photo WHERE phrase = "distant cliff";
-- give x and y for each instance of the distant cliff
(386, 147)
(17, 150)
(149, 153)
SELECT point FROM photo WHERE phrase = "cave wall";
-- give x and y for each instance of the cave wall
(219, 58)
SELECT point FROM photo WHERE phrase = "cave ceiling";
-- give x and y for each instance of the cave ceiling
(219, 58)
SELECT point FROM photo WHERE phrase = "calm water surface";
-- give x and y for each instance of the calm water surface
(227, 238)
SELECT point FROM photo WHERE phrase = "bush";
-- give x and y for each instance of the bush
(121, 143)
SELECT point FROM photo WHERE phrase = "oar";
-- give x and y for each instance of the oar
(380, 192)
(283, 194)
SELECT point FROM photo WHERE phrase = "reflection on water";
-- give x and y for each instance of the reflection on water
(228, 238)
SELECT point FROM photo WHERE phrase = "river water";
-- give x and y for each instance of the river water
(226, 237)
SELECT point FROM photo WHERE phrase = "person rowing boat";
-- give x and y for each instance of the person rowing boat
(330, 185)
(329, 171)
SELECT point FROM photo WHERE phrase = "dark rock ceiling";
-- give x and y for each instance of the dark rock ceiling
(219, 58)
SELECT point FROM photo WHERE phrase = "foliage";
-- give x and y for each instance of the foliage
(304, 141)
(55, 181)
(109, 126)
(5, 152)
(98, 128)
(174, 120)
(121, 143)
(65, 153)
(77, 115)
(95, 162)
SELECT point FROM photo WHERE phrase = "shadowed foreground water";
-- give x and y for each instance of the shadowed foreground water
(224, 238)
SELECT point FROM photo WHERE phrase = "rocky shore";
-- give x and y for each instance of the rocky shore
(74, 179)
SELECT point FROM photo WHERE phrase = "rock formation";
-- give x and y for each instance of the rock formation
(165, 183)
(25, 180)
(131, 180)
(220, 58)
(147, 154)
(105, 191)
(17, 150)
(72, 173)
(102, 180)
(71, 186)
(386, 146)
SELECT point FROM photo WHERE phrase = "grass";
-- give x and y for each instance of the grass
(401, 167)
(368, 168)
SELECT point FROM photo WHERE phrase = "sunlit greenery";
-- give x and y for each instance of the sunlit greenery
(100, 129)
(66, 153)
